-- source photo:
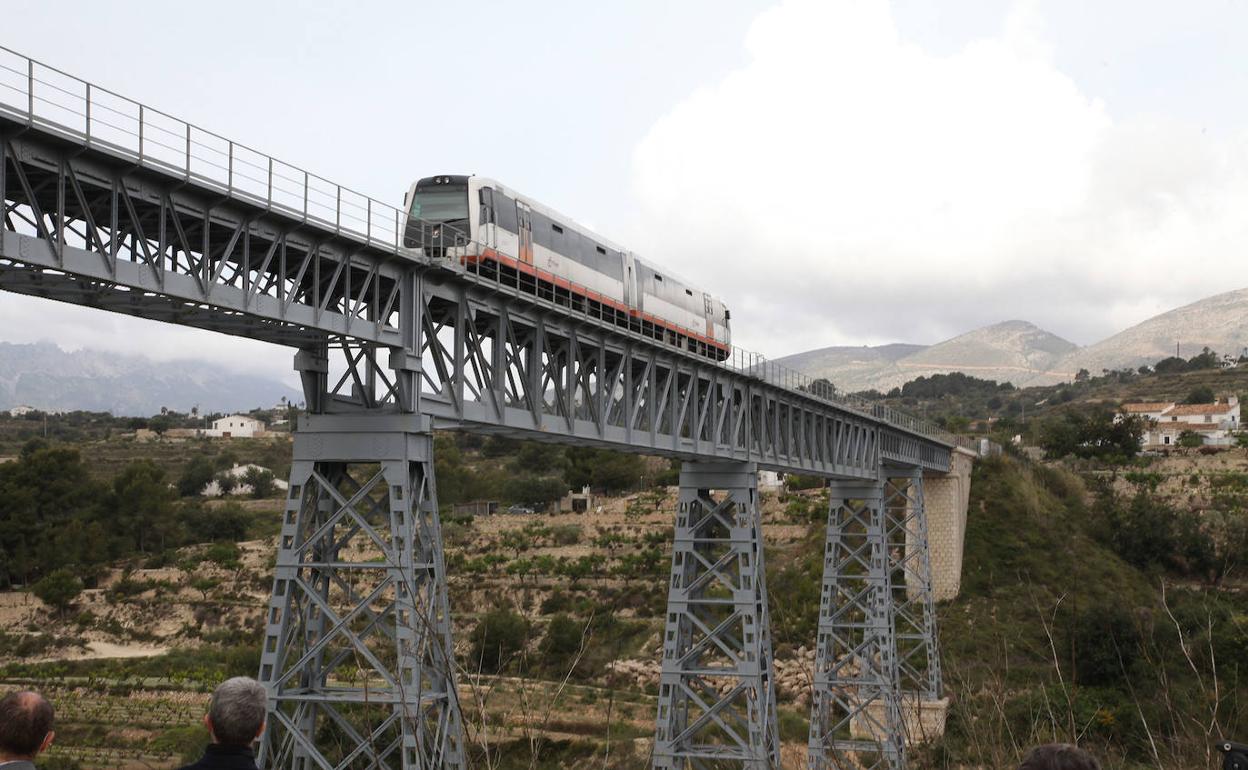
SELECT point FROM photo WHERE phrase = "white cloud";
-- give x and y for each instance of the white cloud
(847, 186)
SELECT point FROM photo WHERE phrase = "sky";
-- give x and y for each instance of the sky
(841, 172)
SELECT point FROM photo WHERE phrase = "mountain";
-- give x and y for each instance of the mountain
(1016, 351)
(846, 365)
(44, 376)
(1219, 322)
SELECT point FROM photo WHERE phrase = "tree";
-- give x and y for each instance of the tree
(1205, 359)
(1171, 365)
(535, 491)
(498, 636)
(1096, 435)
(562, 642)
(260, 480)
(604, 469)
(58, 589)
(226, 483)
(205, 524)
(195, 476)
(204, 584)
(1081, 375)
(159, 425)
(1190, 439)
(1202, 394)
(142, 504)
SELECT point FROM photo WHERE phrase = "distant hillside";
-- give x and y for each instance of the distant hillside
(44, 376)
(1014, 351)
(1024, 354)
(844, 365)
(1219, 322)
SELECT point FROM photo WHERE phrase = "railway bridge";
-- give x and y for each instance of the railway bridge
(115, 205)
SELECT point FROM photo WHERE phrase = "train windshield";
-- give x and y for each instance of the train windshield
(441, 204)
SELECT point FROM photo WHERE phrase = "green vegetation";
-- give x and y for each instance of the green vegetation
(531, 473)
(497, 640)
(1091, 435)
(55, 515)
(58, 589)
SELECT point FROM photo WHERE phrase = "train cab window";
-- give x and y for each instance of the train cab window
(690, 293)
(658, 278)
(444, 203)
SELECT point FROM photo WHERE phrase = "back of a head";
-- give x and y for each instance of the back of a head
(25, 720)
(1059, 756)
(237, 711)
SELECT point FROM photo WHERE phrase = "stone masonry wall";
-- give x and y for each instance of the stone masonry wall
(946, 497)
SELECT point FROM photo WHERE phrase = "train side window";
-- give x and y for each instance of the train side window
(690, 293)
(487, 206)
(658, 278)
(505, 212)
(601, 250)
(556, 227)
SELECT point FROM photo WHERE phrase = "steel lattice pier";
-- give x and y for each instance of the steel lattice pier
(357, 651)
(717, 695)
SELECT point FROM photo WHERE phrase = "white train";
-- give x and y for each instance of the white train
(500, 232)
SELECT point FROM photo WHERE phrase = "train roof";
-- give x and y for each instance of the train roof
(565, 219)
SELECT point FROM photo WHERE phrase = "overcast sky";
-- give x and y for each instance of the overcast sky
(841, 172)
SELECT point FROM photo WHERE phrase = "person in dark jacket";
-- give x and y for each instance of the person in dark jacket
(235, 720)
(25, 729)
(1059, 756)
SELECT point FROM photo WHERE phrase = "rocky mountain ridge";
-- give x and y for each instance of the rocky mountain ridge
(1024, 354)
(44, 376)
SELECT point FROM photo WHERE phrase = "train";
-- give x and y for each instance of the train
(496, 231)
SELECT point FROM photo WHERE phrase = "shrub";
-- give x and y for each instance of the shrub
(261, 482)
(58, 589)
(562, 642)
(1104, 644)
(1190, 439)
(224, 553)
(497, 638)
(566, 534)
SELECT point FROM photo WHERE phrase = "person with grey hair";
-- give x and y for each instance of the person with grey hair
(25, 729)
(1059, 756)
(235, 720)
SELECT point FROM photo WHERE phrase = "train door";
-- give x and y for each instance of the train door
(631, 296)
(709, 313)
(487, 225)
(524, 228)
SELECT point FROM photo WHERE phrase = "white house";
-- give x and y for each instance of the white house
(213, 488)
(20, 411)
(1215, 423)
(768, 481)
(236, 426)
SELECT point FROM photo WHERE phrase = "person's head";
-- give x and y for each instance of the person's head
(1059, 756)
(25, 725)
(236, 713)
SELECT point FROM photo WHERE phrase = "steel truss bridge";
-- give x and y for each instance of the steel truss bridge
(111, 204)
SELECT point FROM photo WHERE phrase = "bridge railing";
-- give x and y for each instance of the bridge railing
(37, 94)
(40, 95)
